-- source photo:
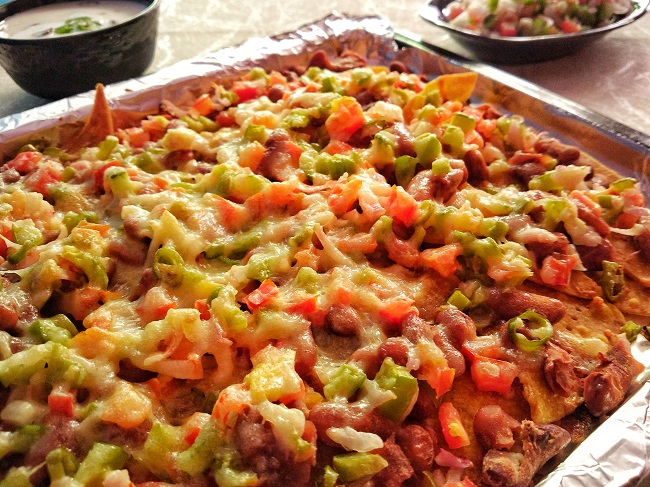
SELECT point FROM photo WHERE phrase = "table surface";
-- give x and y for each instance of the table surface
(611, 76)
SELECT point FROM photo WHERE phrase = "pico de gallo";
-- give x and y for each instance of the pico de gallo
(512, 18)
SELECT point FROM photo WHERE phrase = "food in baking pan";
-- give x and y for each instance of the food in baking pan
(336, 275)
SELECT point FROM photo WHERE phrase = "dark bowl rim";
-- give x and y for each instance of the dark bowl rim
(151, 6)
(432, 12)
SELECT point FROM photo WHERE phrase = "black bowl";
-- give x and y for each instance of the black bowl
(524, 49)
(64, 65)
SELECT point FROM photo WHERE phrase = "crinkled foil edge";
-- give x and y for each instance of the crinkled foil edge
(617, 454)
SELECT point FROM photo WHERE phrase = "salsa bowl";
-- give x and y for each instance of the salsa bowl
(524, 49)
(57, 48)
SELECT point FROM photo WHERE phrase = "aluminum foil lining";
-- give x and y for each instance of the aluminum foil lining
(616, 454)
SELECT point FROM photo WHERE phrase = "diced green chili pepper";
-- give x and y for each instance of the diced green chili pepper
(399, 381)
(307, 278)
(17, 477)
(60, 463)
(530, 330)
(255, 133)
(302, 236)
(148, 162)
(612, 280)
(89, 264)
(544, 182)
(19, 441)
(622, 184)
(459, 300)
(27, 236)
(497, 229)
(347, 380)
(427, 149)
(331, 85)
(201, 454)
(102, 458)
(168, 265)
(227, 476)
(119, 181)
(405, 169)
(440, 167)
(454, 137)
(463, 121)
(192, 123)
(631, 330)
(57, 329)
(329, 477)
(297, 118)
(355, 466)
(72, 219)
(106, 147)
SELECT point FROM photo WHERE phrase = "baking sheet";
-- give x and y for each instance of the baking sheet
(617, 453)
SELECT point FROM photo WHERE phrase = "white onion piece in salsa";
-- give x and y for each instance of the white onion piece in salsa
(43, 21)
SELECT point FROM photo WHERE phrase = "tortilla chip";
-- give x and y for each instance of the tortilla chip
(633, 264)
(457, 86)
(634, 299)
(580, 286)
(98, 126)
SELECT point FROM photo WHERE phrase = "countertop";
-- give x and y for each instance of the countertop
(611, 76)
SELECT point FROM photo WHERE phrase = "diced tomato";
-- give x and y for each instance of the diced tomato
(337, 147)
(633, 196)
(626, 220)
(98, 176)
(486, 127)
(244, 90)
(484, 346)
(155, 304)
(225, 119)
(232, 215)
(261, 295)
(293, 149)
(61, 403)
(191, 435)
(44, 177)
(204, 310)
(455, 9)
(3, 248)
(276, 78)
(25, 162)
(135, 136)
(493, 375)
(556, 269)
(364, 243)
(203, 105)
(233, 399)
(475, 138)
(344, 195)
(153, 127)
(570, 26)
(394, 311)
(346, 118)
(154, 386)
(452, 427)
(251, 155)
(442, 259)
(507, 29)
(402, 207)
(586, 200)
(304, 307)
(439, 377)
